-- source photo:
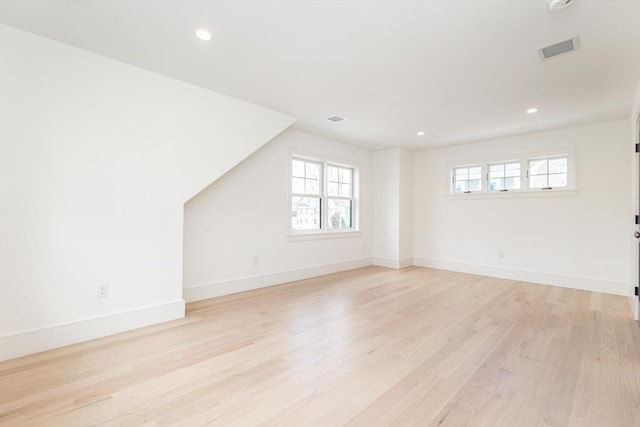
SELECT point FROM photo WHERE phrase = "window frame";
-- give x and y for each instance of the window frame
(504, 163)
(525, 190)
(325, 162)
(469, 166)
(547, 174)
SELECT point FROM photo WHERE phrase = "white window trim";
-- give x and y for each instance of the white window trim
(325, 233)
(571, 188)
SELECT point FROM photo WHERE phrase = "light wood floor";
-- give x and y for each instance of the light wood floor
(370, 347)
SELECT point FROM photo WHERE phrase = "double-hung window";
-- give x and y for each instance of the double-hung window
(323, 196)
(306, 195)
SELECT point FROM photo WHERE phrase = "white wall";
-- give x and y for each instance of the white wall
(386, 203)
(96, 160)
(393, 208)
(245, 215)
(577, 241)
(405, 245)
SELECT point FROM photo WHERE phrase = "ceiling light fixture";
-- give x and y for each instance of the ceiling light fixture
(204, 35)
(420, 133)
(532, 110)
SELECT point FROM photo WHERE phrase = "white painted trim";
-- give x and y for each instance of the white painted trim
(54, 336)
(304, 236)
(242, 284)
(393, 262)
(386, 262)
(405, 262)
(553, 279)
(513, 194)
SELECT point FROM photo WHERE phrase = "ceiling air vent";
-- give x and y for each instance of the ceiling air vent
(564, 46)
(336, 119)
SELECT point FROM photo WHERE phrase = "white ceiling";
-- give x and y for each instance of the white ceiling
(460, 71)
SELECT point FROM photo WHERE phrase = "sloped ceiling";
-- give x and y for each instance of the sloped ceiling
(460, 71)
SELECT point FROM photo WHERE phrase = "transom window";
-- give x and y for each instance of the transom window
(467, 179)
(526, 174)
(548, 173)
(504, 176)
(323, 196)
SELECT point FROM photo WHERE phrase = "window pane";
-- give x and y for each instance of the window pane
(558, 165)
(297, 185)
(496, 184)
(345, 175)
(460, 187)
(297, 168)
(332, 173)
(462, 174)
(312, 170)
(474, 184)
(345, 190)
(339, 214)
(538, 181)
(475, 173)
(496, 171)
(305, 213)
(512, 169)
(312, 186)
(558, 180)
(512, 183)
(332, 189)
(537, 167)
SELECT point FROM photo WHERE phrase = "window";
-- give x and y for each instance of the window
(530, 173)
(548, 173)
(339, 197)
(467, 179)
(323, 196)
(504, 176)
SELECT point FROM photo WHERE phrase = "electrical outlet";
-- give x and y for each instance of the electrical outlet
(256, 260)
(500, 255)
(103, 290)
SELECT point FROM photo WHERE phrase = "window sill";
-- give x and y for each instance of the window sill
(514, 194)
(303, 236)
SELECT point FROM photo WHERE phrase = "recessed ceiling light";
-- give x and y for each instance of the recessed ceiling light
(532, 110)
(420, 133)
(204, 35)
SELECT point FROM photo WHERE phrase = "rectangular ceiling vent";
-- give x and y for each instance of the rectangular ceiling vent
(336, 119)
(564, 46)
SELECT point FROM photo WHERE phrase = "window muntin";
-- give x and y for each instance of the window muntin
(504, 176)
(547, 173)
(467, 179)
(323, 196)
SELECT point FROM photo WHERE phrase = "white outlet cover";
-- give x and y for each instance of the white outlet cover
(103, 290)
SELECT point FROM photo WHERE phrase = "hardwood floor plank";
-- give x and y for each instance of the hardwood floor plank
(367, 347)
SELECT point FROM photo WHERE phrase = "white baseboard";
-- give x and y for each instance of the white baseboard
(211, 290)
(37, 340)
(583, 283)
(393, 262)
